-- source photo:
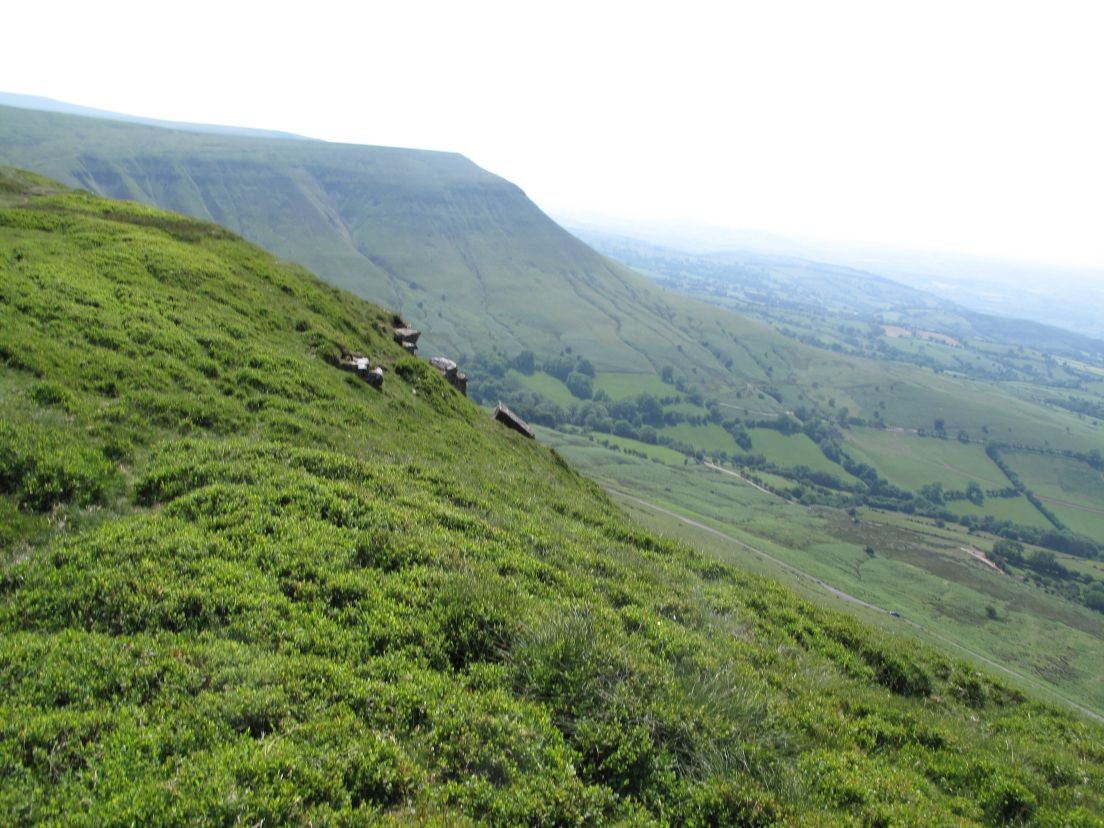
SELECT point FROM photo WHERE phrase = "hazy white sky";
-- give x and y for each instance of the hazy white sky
(962, 126)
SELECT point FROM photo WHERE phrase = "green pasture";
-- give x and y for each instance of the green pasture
(621, 384)
(793, 450)
(917, 570)
(764, 478)
(1073, 490)
(1015, 509)
(910, 461)
(709, 437)
(546, 385)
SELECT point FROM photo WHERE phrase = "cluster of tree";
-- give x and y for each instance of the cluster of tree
(605, 443)
(1049, 572)
(1060, 540)
(1078, 405)
(934, 493)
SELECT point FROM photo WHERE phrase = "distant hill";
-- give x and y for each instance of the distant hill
(770, 280)
(456, 249)
(1065, 297)
(41, 104)
(465, 255)
(239, 585)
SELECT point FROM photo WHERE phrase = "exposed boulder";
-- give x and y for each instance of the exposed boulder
(408, 338)
(456, 378)
(362, 367)
(357, 363)
(511, 420)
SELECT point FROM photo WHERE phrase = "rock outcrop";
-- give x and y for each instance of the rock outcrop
(511, 420)
(362, 367)
(456, 378)
(408, 338)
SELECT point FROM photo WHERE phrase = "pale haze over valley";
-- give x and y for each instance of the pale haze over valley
(967, 129)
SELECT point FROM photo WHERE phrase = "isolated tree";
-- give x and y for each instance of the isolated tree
(932, 492)
(1094, 598)
(974, 493)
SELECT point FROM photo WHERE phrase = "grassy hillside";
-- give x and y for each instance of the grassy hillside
(574, 341)
(462, 253)
(239, 585)
(932, 574)
(466, 256)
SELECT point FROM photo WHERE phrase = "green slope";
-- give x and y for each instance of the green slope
(239, 585)
(459, 251)
(466, 256)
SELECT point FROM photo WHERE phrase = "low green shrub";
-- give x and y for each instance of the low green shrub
(43, 468)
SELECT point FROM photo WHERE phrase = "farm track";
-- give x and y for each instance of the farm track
(745, 480)
(977, 554)
(793, 570)
(845, 596)
(1081, 507)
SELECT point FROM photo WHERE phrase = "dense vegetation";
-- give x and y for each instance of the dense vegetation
(239, 585)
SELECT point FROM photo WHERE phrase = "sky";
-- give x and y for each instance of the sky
(964, 127)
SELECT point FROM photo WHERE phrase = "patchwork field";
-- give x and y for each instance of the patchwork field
(910, 461)
(919, 570)
(1074, 491)
(794, 450)
(620, 384)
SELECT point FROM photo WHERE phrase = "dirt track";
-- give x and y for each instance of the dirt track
(848, 597)
(745, 480)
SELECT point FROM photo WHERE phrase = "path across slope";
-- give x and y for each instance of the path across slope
(847, 596)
